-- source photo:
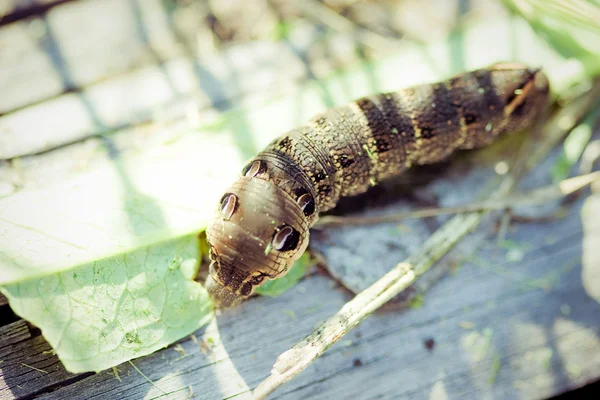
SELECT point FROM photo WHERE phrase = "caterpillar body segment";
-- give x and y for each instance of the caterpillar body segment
(262, 223)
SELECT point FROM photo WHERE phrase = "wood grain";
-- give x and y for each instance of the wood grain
(13, 333)
(29, 368)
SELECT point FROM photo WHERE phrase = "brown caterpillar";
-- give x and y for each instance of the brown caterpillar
(262, 224)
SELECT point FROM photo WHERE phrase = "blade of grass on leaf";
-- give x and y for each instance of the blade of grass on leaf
(536, 196)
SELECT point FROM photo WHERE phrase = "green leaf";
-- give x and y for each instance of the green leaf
(279, 286)
(104, 313)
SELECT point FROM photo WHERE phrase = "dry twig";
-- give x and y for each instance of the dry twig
(537, 196)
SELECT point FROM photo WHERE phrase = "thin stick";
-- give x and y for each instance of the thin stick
(537, 196)
(295, 360)
(34, 368)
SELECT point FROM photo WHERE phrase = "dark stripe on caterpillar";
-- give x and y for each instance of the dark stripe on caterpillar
(263, 222)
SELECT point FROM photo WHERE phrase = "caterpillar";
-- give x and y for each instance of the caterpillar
(262, 222)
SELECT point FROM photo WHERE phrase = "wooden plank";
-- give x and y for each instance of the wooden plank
(517, 326)
(162, 93)
(29, 367)
(81, 43)
(78, 43)
(14, 333)
(151, 94)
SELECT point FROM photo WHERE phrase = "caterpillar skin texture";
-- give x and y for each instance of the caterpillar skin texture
(263, 220)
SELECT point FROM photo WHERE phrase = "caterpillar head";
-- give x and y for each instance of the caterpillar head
(524, 92)
(259, 230)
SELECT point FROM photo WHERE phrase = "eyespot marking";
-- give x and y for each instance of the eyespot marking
(286, 239)
(229, 204)
(307, 204)
(254, 168)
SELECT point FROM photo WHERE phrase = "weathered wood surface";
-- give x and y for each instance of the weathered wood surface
(503, 329)
(517, 321)
(28, 365)
(161, 71)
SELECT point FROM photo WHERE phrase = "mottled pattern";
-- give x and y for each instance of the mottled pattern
(347, 149)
